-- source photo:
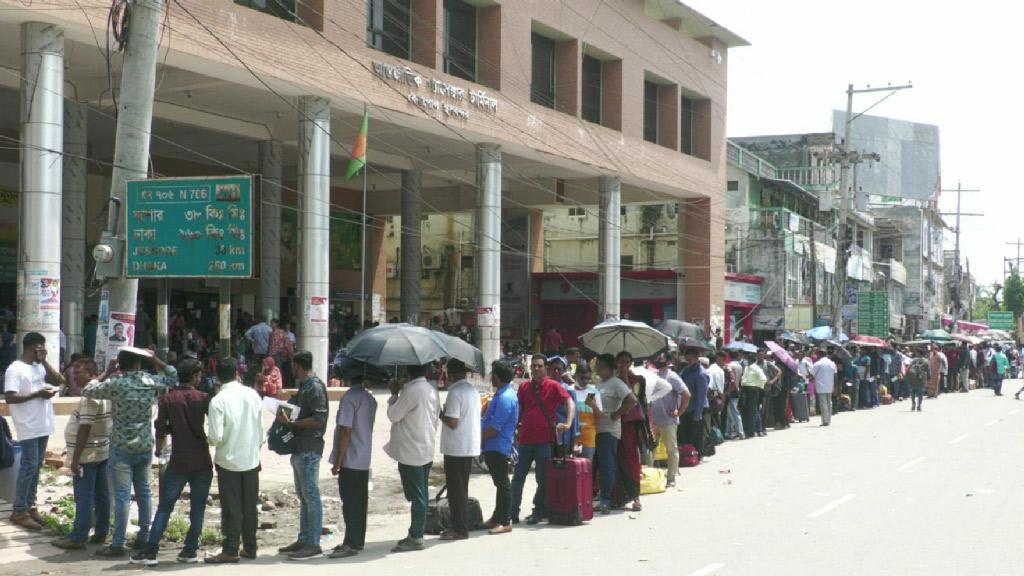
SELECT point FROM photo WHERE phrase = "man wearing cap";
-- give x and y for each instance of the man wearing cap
(460, 445)
(133, 394)
(666, 411)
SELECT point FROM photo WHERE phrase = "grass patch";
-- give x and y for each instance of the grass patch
(210, 536)
(61, 517)
(177, 529)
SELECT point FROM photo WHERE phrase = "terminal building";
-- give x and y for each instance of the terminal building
(485, 117)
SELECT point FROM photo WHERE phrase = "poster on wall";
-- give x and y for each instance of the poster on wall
(121, 333)
(346, 242)
(39, 296)
(318, 311)
(487, 316)
(102, 324)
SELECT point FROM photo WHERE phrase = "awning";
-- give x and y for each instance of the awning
(966, 326)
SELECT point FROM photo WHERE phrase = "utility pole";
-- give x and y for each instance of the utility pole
(847, 158)
(1016, 261)
(958, 302)
(134, 121)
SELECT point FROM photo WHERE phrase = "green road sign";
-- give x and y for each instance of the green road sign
(189, 227)
(1000, 320)
(873, 313)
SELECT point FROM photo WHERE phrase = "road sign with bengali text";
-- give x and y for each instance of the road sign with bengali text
(873, 313)
(1000, 320)
(189, 227)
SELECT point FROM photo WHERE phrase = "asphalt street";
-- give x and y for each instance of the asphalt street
(883, 491)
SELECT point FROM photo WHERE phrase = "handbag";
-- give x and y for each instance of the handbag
(439, 514)
(281, 439)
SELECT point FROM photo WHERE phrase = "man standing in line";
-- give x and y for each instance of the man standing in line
(132, 394)
(616, 400)
(236, 431)
(28, 395)
(734, 429)
(539, 399)
(498, 429)
(259, 336)
(823, 374)
(413, 410)
(182, 413)
(751, 391)
(87, 436)
(460, 445)
(350, 462)
(666, 411)
(691, 422)
(582, 390)
(1001, 365)
(309, 428)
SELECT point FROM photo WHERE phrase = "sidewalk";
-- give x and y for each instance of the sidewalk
(18, 544)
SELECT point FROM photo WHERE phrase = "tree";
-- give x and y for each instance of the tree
(1013, 294)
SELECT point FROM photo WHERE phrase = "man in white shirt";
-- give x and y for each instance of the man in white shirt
(414, 419)
(236, 430)
(28, 395)
(460, 444)
(824, 374)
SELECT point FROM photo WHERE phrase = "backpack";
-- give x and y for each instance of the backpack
(6, 445)
(688, 456)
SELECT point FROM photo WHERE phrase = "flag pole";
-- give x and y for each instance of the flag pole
(362, 245)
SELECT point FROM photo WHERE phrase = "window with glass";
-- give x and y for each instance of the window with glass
(284, 9)
(686, 125)
(542, 84)
(388, 26)
(792, 279)
(460, 39)
(591, 90)
(650, 111)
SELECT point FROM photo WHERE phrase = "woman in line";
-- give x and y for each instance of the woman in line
(268, 381)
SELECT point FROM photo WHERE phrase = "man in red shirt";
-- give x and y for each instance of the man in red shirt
(552, 342)
(539, 398)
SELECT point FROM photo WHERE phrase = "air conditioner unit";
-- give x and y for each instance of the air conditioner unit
(431, 262)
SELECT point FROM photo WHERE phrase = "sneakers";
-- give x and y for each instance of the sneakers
(25, 521)
(603, 509)
(143, 558)
(110, 552)
(68, 544)
(342, 551)
(221, 558)
(306, 553)
(293, 547)
(408, 545)
(499, 529)
(188, 557)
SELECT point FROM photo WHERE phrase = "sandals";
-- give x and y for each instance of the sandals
(636, 506)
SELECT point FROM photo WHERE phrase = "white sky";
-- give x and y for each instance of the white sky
(962, 58)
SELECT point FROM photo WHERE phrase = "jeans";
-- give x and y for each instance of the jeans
(92, 502)
(528, 455)
(171, 486)
(735, 426)
(353, 488)
(239, 498)
(917, 394)
(497, 464)
(667, 434)
(414, 485)
(825, 407)
(997, 383)
(607, 462)
(457, 470)
(306, 471)
(33, 452)
(128, 470)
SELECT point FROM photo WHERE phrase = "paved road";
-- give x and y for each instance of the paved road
(883, 491)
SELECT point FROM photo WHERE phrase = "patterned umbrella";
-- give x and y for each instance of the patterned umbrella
(783, 355)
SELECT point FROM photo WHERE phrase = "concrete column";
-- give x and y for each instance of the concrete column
(163, 318)
(412, 210)
(609, 246)
(42, 148)
(314, 251)
(72, 271)
(270, 229)
(488, 246)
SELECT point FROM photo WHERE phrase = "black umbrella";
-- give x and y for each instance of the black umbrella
(678, 329)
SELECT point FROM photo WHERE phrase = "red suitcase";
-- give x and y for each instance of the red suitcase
(569, 489)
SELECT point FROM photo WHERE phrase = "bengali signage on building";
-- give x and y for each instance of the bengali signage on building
(189, 227)
(873, 313)
(1000, 320)
(743, 292)
(436, 95)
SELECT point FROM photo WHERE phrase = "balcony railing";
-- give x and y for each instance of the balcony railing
(810, 177)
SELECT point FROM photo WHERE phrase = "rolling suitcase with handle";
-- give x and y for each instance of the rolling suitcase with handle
(801, 413)
(568, 491)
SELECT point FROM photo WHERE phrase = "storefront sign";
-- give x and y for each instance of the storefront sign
(189, 227)
(439, 95)
(873, 313)
(744, 292)
(630, 289)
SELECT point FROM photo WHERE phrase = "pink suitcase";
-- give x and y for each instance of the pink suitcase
(569, 488)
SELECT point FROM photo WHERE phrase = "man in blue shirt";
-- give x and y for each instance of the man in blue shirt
(691, 423)
(498, 426)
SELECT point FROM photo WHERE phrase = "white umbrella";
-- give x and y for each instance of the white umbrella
(655, 387)
(615, 336)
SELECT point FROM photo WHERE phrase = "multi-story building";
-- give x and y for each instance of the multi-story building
(495, 109)
(913, 236)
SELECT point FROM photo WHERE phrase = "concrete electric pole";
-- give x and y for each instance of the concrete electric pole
(957, 271)
(847, 158)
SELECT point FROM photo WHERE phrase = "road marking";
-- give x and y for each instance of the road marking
(831, 506)
(911, 464)
(991, 422)
(709, 569)
(959, 439)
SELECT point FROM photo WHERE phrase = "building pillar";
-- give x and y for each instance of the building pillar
(72, 271)
(270, 229)
(42, 149)
(609, 247)
(703, 262)
(410, 268)
(488, 243)
(315, 200)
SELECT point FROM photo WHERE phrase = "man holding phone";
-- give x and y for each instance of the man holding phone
(29, 384)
